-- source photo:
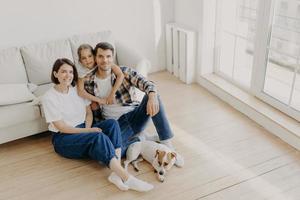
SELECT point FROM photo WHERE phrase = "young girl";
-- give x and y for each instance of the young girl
(86, 58)
(70, 121)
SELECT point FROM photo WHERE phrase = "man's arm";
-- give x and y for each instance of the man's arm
(152, 104)
(139, 81)
(146, 86)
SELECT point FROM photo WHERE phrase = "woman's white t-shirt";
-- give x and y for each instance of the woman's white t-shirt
(68, 107)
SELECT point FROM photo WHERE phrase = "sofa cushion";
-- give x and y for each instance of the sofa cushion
(12, 66)
(15, 93)
(18, 113)
(39, 59)
(42, 89)
(91, 39)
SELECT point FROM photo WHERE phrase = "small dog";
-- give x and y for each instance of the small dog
(160, 156)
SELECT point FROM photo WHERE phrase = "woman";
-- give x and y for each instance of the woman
(70, 120)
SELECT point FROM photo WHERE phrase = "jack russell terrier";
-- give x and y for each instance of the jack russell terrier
(160, 156)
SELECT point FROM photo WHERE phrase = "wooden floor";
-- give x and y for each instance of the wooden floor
(227, 156)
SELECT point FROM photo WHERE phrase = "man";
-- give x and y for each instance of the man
(132, 115)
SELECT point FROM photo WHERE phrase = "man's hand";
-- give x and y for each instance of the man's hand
(152, 104)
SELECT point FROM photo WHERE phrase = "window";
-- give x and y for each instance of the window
(236, 33)
(258, 49)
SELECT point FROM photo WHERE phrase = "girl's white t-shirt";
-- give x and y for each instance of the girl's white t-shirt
(68, 107)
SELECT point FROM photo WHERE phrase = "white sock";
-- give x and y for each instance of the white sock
(115, 179)
(138, 185)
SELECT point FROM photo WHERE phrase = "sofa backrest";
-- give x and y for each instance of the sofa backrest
(12, 67)
(39, 59)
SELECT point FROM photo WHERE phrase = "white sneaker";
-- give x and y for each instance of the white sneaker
(179, 160)
(115, 179)
(144, 135)
(138, 185)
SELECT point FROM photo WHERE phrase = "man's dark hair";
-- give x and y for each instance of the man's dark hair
(57, 65)
(104, 46)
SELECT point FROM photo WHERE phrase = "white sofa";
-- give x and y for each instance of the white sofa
(23, 68)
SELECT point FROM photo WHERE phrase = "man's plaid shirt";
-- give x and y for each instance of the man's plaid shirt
(125, 95)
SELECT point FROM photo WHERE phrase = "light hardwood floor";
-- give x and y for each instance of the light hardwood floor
(227, 155)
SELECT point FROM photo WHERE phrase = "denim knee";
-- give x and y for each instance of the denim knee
(103, 150)
(113, 123)
(114, 133)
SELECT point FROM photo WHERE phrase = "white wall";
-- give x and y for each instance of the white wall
(199, 15)
(139, 23)
(188, 13)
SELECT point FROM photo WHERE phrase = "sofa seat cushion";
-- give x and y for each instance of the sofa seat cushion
(91, 39)
(39, 59)
(12, 66)
(15, 93)
(18, 113)
(41, 89)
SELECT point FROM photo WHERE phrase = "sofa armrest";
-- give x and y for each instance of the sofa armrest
(131, 58)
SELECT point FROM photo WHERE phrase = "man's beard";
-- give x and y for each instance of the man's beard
(106, 69)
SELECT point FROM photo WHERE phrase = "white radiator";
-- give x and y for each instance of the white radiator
(181, 52)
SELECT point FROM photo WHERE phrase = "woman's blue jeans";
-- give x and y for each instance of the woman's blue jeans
(98, 146)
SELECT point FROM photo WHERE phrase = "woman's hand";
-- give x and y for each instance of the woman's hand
(94, 129)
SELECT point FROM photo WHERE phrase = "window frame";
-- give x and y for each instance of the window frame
(265, 15)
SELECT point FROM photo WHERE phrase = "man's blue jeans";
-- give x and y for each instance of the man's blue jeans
(135, 121)
(94, 145)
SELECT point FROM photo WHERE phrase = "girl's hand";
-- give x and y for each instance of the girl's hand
(111, 99)
(101, 101)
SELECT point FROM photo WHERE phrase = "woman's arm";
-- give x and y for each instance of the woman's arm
(89, 117)
(84, 94)
(120, 77)
(64, 128)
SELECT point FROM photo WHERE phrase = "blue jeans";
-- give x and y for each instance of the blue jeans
(94, 145)
(135, 121)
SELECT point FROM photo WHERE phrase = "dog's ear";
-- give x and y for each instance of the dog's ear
(157, 153)
(172, 155)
